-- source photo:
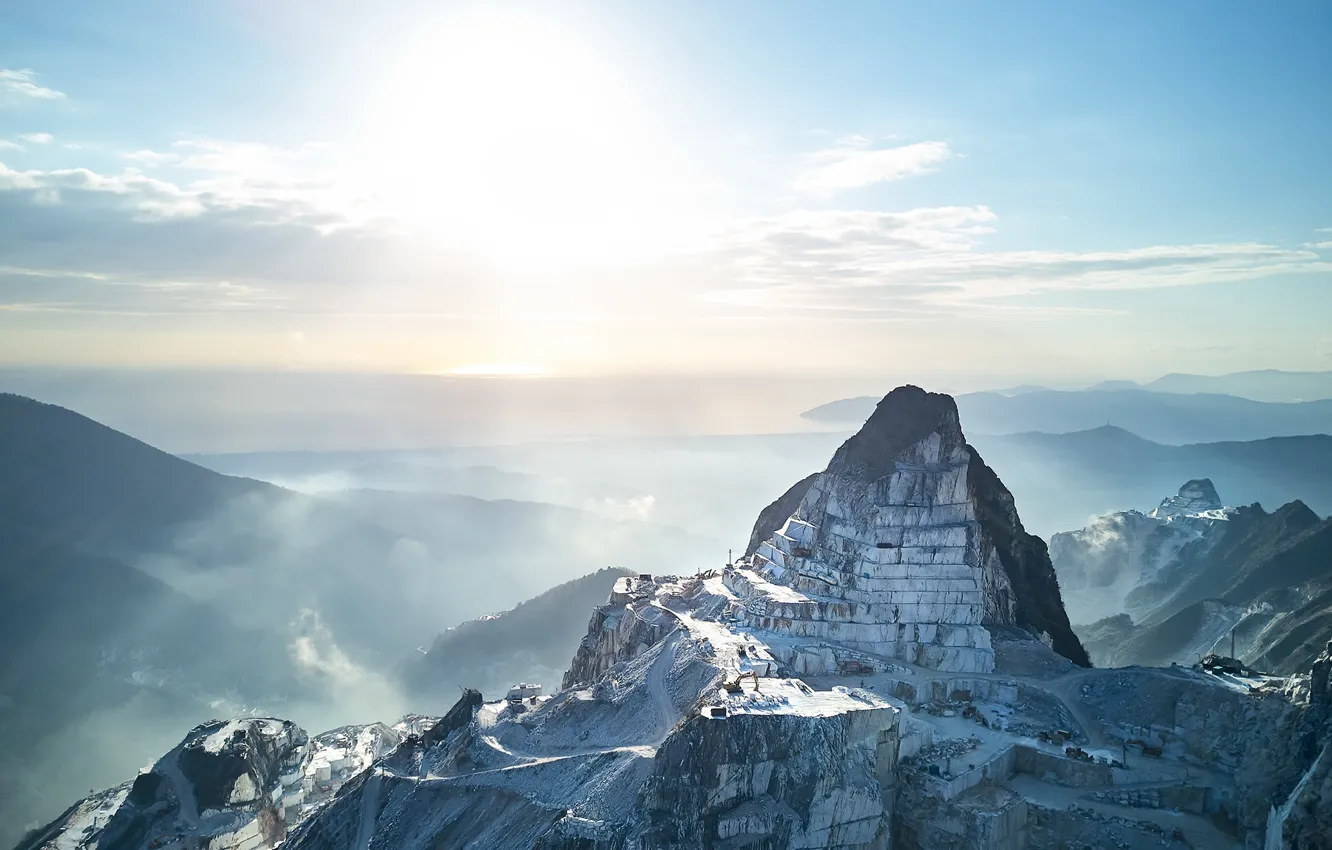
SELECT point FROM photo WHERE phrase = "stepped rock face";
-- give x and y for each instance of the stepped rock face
(774, 516)
(906, 546)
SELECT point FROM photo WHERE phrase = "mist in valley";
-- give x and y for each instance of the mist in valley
(326, 575)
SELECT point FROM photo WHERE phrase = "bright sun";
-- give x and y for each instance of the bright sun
(507, 137)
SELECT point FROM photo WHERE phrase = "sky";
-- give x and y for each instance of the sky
(1030, 190)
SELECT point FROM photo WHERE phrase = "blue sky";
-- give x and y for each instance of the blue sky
(1036, 190)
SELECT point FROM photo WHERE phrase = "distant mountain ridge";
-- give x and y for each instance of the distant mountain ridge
(1259, 385)
(1256, 384)
(1189, 573)
(1062, 479)
(531, 642)
(1159, 416)
(69, 478)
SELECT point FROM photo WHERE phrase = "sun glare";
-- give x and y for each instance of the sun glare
(499, 370)
(508, 137)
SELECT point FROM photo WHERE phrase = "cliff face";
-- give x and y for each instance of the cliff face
(1294, 770)
(1038, 604)
(907, 546)
(775, 780)
(622, 629)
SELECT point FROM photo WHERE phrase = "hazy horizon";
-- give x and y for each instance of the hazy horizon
(590, 188)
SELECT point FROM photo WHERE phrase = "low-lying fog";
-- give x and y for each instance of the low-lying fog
(412, 506)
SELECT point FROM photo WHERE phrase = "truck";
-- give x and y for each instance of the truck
(522, 691)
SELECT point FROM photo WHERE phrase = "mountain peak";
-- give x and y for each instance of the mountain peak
(902, 418)
(1196, 496)
(1200, 488)
(908, 523)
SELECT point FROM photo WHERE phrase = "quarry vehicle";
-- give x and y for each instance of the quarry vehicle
(1223, 664)
(732, 686)
(522, 691)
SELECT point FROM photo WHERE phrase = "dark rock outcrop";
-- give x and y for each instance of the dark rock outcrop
(771, 518)
(1026, 560)
(218, 789)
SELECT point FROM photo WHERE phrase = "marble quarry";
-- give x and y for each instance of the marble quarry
(888, 551)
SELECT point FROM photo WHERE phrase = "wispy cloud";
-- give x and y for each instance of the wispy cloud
(37, 138)
(228, 225)
(58, 291)
(151, 158)
(239, 174)
(7, 145)
(929, 260)
(77, 240)
(854, 163)
(21, 83)
(146, 196)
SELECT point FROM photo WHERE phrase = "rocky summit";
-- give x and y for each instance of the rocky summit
(1197, 498)
(906, 547)
(889, 665)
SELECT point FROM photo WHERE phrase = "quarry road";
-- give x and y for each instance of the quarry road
(369, 813)
(659, 701)
(181, 787)
(1064, 689)
(662, 704)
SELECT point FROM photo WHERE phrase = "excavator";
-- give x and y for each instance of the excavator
(732, 686)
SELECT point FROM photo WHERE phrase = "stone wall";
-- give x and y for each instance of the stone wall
(1061, 770)
(1081, 829)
